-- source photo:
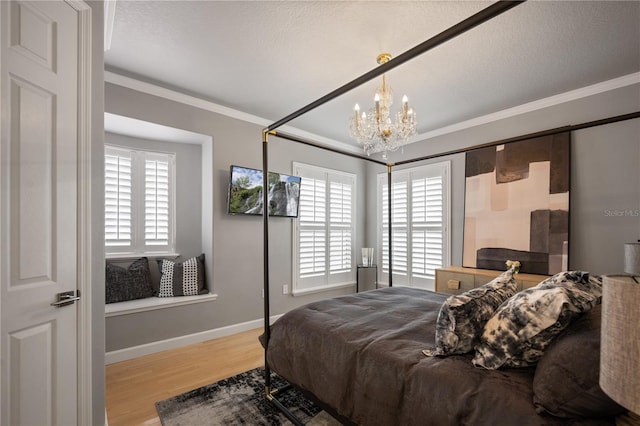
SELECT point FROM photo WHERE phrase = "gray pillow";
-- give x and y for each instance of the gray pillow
(462, 317)
(134, 282)
(566, 382)
(522, 328)
(182, 278)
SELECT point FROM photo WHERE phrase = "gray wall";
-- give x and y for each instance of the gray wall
(605, 174)
(237, 251)
(237, 244)
(188, 187)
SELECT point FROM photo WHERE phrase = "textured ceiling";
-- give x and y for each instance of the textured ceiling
(272, 58)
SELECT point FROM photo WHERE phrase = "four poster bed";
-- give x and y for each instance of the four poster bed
(360, 356)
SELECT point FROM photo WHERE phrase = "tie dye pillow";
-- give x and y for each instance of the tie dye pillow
(462, 318)
(523, 327)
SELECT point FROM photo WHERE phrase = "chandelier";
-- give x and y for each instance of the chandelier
(374, 129)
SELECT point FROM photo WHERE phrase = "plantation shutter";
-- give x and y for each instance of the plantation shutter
(156, 200)
(139, 206)
(427, 223)
(324, 228)
(420, 217)
(399, 207)
(340, 227)
(118, 198)
(312, 227)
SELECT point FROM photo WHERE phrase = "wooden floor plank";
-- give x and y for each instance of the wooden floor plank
(134, 386)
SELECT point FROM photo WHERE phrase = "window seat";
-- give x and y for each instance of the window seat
(153, 303)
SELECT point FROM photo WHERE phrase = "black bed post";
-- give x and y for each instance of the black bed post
(389, 166)
(265, 245)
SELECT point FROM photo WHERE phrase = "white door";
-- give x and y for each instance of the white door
(38, 212)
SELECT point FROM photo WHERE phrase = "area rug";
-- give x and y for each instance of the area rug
(238, 400)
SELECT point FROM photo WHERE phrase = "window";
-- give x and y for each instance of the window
(420, 212)
(139, 201)
(325, 229)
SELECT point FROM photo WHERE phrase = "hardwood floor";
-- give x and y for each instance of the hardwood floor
(134, 386)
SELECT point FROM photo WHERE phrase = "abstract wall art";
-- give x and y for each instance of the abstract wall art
(517, 205)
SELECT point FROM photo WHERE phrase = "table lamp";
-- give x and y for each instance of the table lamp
(620, 337)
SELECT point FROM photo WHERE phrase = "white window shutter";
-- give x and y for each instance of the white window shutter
(427, 226)
(156, 202)
(139, 206)
(312, 238)
(399, 207)
(340, 227)
(420, 224)
(118, 199)
(325, 228)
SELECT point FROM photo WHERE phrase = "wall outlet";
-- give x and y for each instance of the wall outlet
(285, 289)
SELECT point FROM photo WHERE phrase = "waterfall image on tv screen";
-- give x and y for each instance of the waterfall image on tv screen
(245, 193)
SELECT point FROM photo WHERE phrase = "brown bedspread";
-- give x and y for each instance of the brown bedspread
(361, 355)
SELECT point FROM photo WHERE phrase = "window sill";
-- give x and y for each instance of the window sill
(153, 303)
(134, 256)
(312, 290)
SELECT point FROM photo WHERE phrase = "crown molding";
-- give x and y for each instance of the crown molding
(152, 89)
(109, 19)
(594, 89)
(172, 95)
(583, 92)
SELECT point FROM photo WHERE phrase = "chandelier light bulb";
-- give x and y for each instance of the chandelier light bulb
(377, 131)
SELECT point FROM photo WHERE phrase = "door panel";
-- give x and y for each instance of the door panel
(38, 211)
(30, 355)
(31, 184)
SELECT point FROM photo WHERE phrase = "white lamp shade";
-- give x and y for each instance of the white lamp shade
(620, 343)
(632, 258)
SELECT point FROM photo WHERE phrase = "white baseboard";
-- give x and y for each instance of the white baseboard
(177, 342)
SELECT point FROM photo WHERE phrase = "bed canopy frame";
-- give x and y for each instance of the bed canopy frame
(481, 17)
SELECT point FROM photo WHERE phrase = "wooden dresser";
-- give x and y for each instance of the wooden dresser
(456, 279)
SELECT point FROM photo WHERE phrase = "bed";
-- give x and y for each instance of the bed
(361, 355)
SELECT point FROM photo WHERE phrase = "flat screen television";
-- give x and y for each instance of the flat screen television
(245, 193)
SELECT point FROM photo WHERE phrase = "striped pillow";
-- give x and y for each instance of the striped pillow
(182, 279)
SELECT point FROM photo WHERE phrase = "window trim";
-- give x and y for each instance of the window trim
(138, 247)
(381, 181)
(349, 276)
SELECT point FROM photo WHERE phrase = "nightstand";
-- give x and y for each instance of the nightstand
(358, 275)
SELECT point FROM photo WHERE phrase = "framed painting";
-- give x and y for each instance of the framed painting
(517, 205)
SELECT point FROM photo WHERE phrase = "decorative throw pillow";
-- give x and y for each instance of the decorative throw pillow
(566, 382)
(182, 279)
(522, 328)
(462, 317)
(130, 283)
